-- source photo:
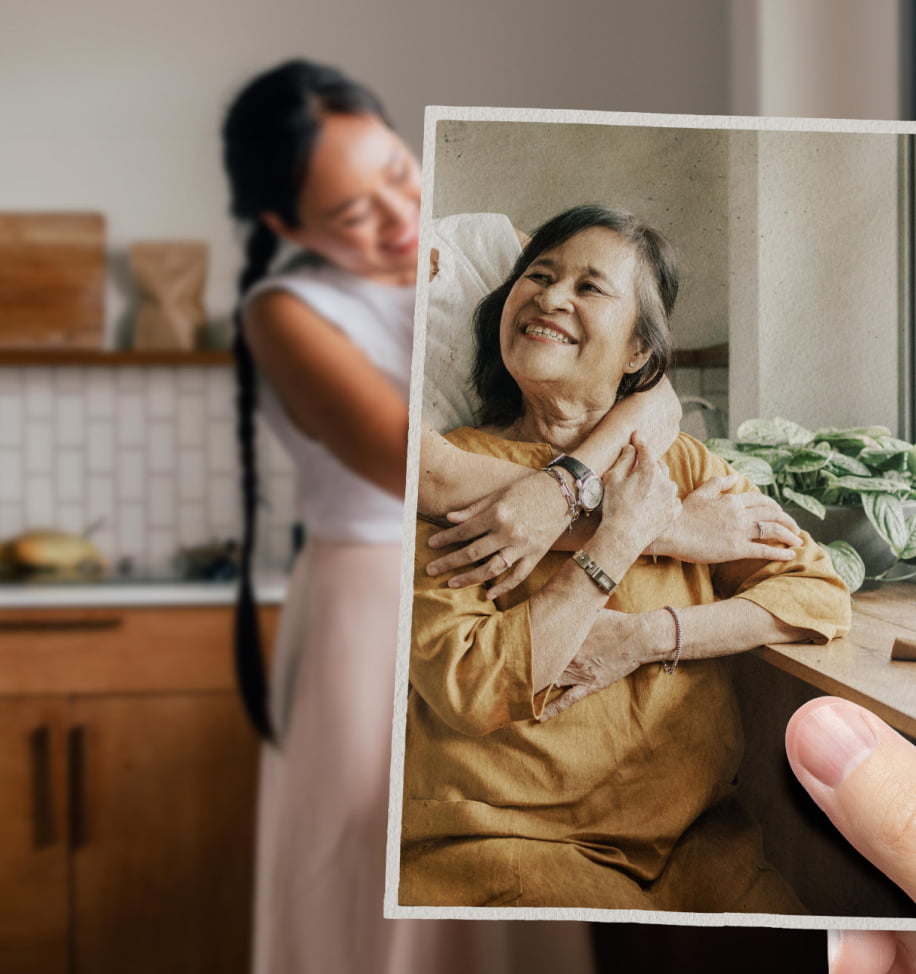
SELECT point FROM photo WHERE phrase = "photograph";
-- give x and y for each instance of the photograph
(642, 338)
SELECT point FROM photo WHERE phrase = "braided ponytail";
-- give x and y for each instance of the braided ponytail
(249, 660)
(269, 133)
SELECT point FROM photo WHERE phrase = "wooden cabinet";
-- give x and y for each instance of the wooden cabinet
(127, 790)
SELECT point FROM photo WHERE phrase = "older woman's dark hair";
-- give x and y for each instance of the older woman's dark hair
(656, 291)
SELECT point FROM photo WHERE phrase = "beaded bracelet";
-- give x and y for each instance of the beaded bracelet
(670, 665)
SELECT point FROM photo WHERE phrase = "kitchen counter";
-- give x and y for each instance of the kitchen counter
(270, 589)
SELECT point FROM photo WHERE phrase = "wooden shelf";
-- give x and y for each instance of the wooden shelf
(112, 356)
(696, 358)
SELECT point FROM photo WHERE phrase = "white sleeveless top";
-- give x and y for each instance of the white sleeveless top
(333, 502)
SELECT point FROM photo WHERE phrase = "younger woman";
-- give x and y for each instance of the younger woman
(323, 347)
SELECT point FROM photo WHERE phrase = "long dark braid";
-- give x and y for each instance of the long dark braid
(268, 137)
(249, 660)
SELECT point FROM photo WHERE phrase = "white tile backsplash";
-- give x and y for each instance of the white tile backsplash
(221, 446)
(131, 532)
(71, 518)
(10, 519)
(38, 393)
(193, 527)
(161, 506)
(10, 418)
(11, 484)
(224, 500)
(100, 500)
(100, 393)
(192, 380)
(68, 380)
(192, 475)
(69, 475)
(40, 503)
(131, 474)
(160, 394)
(160, 447)
(38, 446)
(151, 453)
(100, 450)
(70, 419)
(129, 380)
(131, 419)
(191, 419)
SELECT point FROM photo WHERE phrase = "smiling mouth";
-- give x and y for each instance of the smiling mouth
(540, 330)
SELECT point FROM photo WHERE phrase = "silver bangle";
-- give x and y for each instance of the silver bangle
(594, 571)
(670, 665)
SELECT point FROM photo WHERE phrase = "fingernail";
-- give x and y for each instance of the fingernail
(454, 583)
(432, 570)
(834, 942)
(833, 740)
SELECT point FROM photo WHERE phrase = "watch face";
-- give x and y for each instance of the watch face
(591, 493)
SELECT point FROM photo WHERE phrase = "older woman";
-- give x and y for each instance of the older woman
(573, 743)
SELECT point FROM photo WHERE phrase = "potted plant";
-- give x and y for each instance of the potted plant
(842, 485)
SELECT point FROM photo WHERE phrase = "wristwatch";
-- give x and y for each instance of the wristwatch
(594, 571)
(589, 489)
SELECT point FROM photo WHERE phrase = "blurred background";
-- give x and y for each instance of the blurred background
(114, 109)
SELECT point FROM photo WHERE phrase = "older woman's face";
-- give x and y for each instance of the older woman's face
(567, 325)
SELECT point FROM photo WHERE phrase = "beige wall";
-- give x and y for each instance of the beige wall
(675, 178)
(828, 58)
(814, 278)
(788, 240)
(116, 106)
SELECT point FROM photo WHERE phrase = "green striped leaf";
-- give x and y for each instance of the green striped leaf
(887, 518)
(805, 501)
(757, 471)
(847, 564)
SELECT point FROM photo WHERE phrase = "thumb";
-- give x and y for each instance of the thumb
(716, 485)
(863, 775)
(466, 513)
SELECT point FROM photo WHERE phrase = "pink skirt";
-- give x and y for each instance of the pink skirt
(324, 796)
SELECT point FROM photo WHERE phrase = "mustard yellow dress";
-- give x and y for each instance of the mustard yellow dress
(624, 801)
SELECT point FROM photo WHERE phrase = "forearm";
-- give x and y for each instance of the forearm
(655, 415)
(451, 478)
(720, 629)
(563, 613)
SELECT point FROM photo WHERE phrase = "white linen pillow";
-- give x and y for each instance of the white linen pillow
(474, 254)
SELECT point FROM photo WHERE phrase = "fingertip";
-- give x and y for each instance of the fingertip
(432, 570)
(827, 738)
(457, 517)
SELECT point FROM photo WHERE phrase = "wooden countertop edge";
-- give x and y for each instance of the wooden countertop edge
(836, 687)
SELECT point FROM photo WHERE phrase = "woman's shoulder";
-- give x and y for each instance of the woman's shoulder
(691, 463)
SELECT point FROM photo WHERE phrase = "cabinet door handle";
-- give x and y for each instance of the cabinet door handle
(76, 765)
(61, 625)
(43, 831)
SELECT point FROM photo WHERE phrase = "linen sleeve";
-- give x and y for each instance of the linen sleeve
(470, 661)
(805, 592)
